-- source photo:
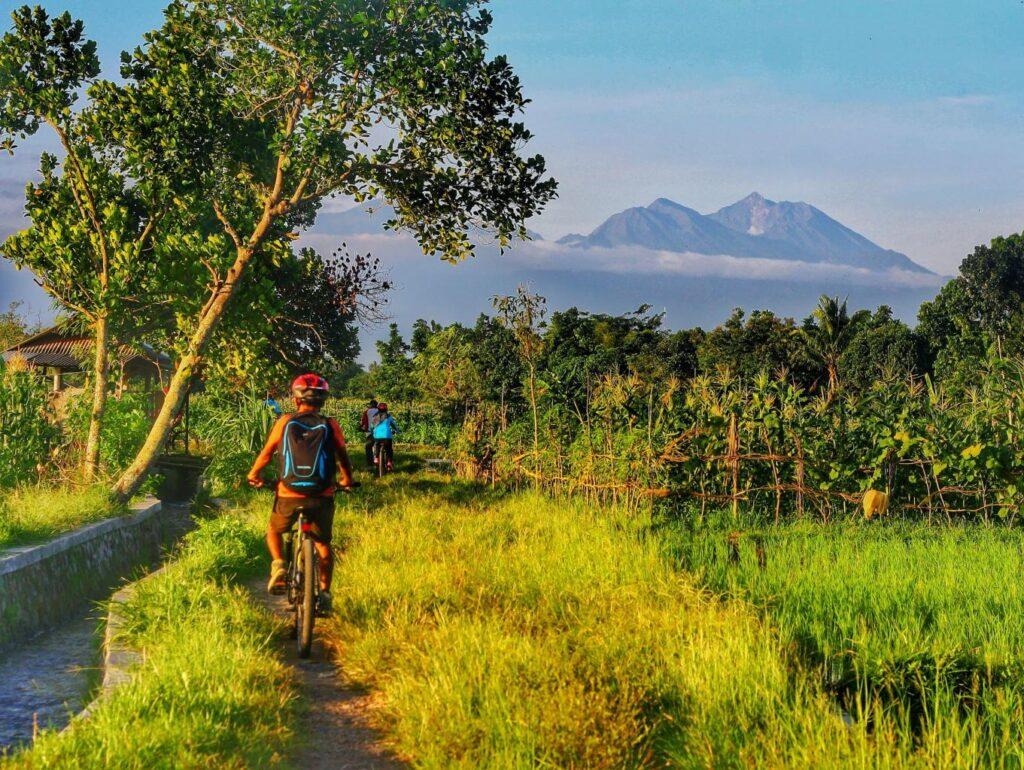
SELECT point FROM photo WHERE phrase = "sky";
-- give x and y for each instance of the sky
(902, 119)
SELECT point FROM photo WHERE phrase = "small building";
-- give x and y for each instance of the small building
(56, 352)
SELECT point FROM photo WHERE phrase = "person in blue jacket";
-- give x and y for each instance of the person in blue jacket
(384, 431)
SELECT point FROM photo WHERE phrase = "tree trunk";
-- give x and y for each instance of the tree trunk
(101, 377)
(181, 381)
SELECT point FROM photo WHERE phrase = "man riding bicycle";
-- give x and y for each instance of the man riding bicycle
(383, 437)
(311, 450)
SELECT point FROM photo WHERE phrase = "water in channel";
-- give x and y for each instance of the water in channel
(45, 680)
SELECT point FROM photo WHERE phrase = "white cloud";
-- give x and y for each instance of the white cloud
(546, 255)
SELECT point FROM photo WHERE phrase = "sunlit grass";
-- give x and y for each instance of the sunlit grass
(926, 623)
(35, 514)
(507, 631)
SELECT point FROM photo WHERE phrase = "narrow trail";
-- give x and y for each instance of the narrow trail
(332, 732)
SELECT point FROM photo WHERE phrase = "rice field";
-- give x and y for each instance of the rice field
(914, 629)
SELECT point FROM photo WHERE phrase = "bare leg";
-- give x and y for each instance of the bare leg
(275, 544)
(326, 565)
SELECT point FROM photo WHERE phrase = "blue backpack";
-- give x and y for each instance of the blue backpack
(307, 461)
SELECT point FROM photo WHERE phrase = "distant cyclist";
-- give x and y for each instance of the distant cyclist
(311, 451)
(383, 436)
(367, 421)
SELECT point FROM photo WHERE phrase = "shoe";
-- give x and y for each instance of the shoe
(324, 604)
(278, 572)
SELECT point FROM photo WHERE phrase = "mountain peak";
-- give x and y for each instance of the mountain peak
(666, 203)
(754, 227)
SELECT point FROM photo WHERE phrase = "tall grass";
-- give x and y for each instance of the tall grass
(210, 693)
(925, 624)
(34, 514)
(520, 631)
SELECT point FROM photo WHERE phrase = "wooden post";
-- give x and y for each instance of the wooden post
(799, 476)
(734, 460)
(58, 380)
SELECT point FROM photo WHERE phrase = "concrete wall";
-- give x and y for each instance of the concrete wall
(41, 584)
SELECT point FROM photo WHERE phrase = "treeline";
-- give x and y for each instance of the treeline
(765, 412)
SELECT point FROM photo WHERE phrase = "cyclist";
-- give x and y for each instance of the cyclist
(367, 420)
(383, 436)
(305, 486)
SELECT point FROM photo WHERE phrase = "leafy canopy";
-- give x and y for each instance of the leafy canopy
(270, 107)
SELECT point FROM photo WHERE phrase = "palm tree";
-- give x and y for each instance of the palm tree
(829, 335)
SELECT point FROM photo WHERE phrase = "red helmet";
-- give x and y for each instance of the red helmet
(382, 407)
(310, 386)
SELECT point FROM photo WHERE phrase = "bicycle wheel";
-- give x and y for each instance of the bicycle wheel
(306, 608)
(382, 462)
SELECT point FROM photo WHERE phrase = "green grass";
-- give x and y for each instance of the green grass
(35, 514)
(211, 691)
(508, 631)
(503, 630)
(923, 624)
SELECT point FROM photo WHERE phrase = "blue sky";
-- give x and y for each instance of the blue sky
(903, 119)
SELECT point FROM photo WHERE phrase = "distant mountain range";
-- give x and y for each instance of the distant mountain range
(753, 228)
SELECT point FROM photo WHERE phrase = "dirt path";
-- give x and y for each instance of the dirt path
(332, 729)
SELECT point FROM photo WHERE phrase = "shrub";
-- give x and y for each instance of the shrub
(27, 433)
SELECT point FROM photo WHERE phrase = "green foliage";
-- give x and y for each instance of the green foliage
(13, 326)
(126, 422)
(982, 306)
(828, 333)
(392, 376)
(27, 432)
(232, 429)
(882, 347)
(762, 342)
(517, 631)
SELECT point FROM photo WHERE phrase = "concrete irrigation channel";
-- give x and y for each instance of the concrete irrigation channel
(51, 625)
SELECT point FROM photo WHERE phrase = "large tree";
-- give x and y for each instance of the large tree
(91, 225)
(267, 108)
(982, 307)
(760, 342)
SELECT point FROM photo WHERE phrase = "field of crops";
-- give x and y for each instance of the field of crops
(913, 629)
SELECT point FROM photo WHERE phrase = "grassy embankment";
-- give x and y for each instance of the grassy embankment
(917, 628)
(517, 631)
(36, 514)
(211, 691)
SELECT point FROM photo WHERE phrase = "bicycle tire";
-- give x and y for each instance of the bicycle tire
(306, 609)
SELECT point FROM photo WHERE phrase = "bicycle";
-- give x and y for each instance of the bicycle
(383, 457)
(303, 583)
(302, 579)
